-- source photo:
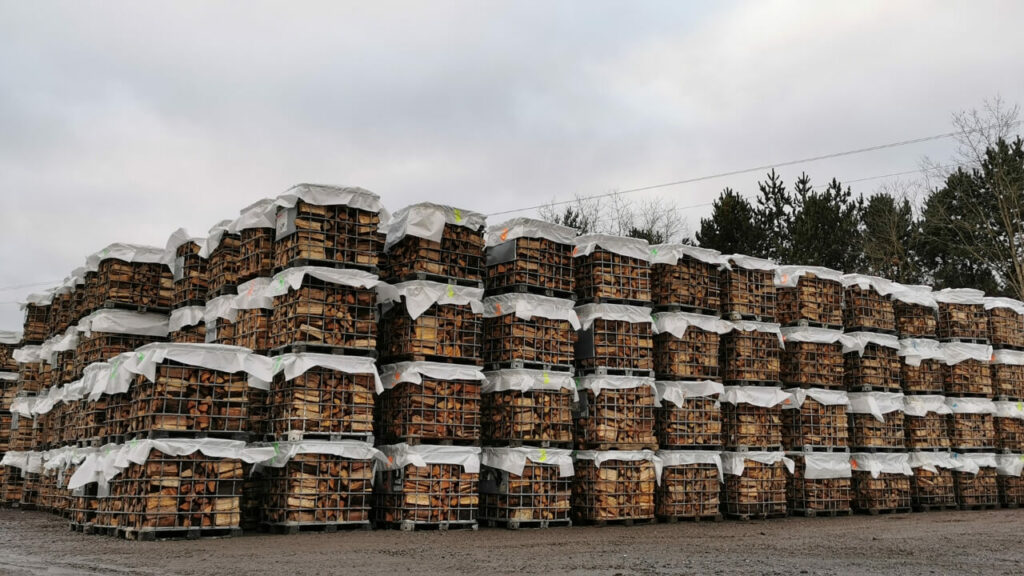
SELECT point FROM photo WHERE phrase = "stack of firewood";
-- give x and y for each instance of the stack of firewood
(612, 269)
(527, 407)
(751, 354)
(867, 306)
(616, 413)
(881, 482)
(690, 485)
(752, 416)
(755, 484)
(976, 481)
(686, 346)
(1005, 323)
(9, 341)
(932, 486)
(614, 486)
(966, 370)
(1008, 374)
(615, 339)
(187, 256)
(436, 242)
(255, 226)
(812, 358)
(428, 485)
(427, 402)
(871, 362)
(1010, 481)
(962, 315)
(323, 307)
(186, 325)
(921, 366)
(809, 295)
(221, 249)
(530, 256)
(526, 486)
(433, 322)
(971, 424)
(916, 311)
(1009, 424)
(820, 484)
(37, 318)
(689, 416)
(816, 419)
(130, 276)
(876, 421)
(925, 422)
(748, 289)
(686, 278)
(529, 330)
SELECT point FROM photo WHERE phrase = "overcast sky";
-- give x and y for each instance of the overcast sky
(121, 121)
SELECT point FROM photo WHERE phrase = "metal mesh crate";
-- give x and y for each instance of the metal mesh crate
(607, 276)
(121, 283)
(322, 401)
(812, 364)
(878, 368)
(252, 329)
(191, 280)
(539, 494)
(33, 377)
(84, 504)
(689, 283)
(88, 286)
(696, 423)
(190, 399)
(222, 267)
(615, 344)
(459, 254)
(532, 416)
(90, 418)
(617, 490)
(867, 432)
(442, 332)
(915, 320)
(1011, 490)
(24, 434)
(37, 323)
(431, 411)
(749, 293)
(814, 300)
(1009, 434)
(195, 334)
(820, 495)
(11, 484)
(538, 340)
(967, 378)
(971, 430)
(255, 254)
(319, 489)
(327, 314)
(981, 489)
(747, 425)
(337, 234)
(688, 491)
(760, 491)
(967, 321)
(932, 489)
(751, 357)
(530, 263)
(926, 432)
(693, 356)
(616, 418)
(1008, 380)
(867, 309)
(118, 417)
(432, 494)
(221, 331)
(61, 314)
(7, 361)
(887, 492)
(1006, 328)
(925, 378)
(815, 424)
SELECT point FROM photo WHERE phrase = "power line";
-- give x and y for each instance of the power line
(753, 169)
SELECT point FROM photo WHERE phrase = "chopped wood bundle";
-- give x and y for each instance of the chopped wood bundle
(968, 321)
(539, 493)
(255, 254)
(8, 391)
(616, 418)
(61, 313)
(815, 424)
(694, 356)
(689, 283)
(749, 293)
(431, 411)
(11, 484)
(322, 401)
(915, 320)
(7, 361)
(195, 334)
(604, 275)
(819, 494)
(326, 314)
(747, 425)
(252, 329)
(925, 378)
(430, 494)
(222, 268)
(981, 489)
(1009, 434)
(759, 491)
(813, 299)
(532, 262)
(812, 364)
(688, 491)
(81, 299)
(697, 423)
(84, 504)
(319, 489)
(194, 491)
(5, 431)
(259, 412)
(191, 280)
(927, 432)
(971, 430)
(64, 367)
(878, 368)
(618, 490)
(868, 309)
(929, 488)
(617, 344)
(459, 254)
(24, 434)
(118, 416)
(37, 323)
(442, 331)
(338, 233)
(47, 499)
(533, 416)
(967, 378)
(1008, 380)
(102, 346)
(89, 419)
(1011, 490)
(221, 332)
(867, 432)
(1005, 328)
(190, 399)
(29, 489)
(541, 340)
(751, 356)
(144, 284)
(34, 377)
(890, 491)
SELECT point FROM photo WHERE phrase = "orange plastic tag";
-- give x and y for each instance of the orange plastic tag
(576, 250)
(497, 308)
(853, 464)
(787, 401)
(504, 234)
(397, 376)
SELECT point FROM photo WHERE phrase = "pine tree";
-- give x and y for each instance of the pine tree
(825, 227)
(890, 240)
(773, 217)
(731, 228)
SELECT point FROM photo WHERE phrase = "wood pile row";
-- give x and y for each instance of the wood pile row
(252, 330)
(964, 321)
(538, 263)
(530, 417)
(927, 432)
(325, 314)
(747, 425)
(431, 494)
(443, 331)
(616, 344)
(932, 488)
(1011, 491)
(7, 362)
(814, 300)
(459, 254)
(812, 365)
(878, 368)
(969, 431)
(617, 490)
(688, 491)
(867, 432)
(190, 399)
(1009, 434)
(538, 494)
(1008, 380)
(867, 309)
(432, 411)
(338, 234)
(319, 489)
(37, 323)
(616, 419)
(321, 401)
(1006, 328)
(541, 340)
(103, 346)
(925, 378)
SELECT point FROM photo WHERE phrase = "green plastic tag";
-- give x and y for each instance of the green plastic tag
(458, 216)
(543, 455)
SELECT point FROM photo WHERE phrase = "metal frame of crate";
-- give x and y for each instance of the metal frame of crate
(529, 328)
(972, 423)
(932, 484)
(687, 346)
(962, 314)
(528, 407)
(809, 294)
(1009, 424)
(691, 485)
(1008, 374)
(332, 396)
(925, 423)
(812, 358)
(980, 488)
(328, 233)
(829, 491)
(534, 494)
(9, 342)
(881, 482)
(866, 430)
(530, 255)
(321, 483)
(129, 283)
(755, 484)
(613, 485)
(191, 280)
(255, 254)
(868, 307)
(1009, 479)
(37, 319)
(612, 269)
(443, 492)
(871, 362)
(449, 327)
(458, 251)
(971, 374)
(426, 402)
(616, 337)
(815, 419)
(330, 308)
(108, 333)
(1005, 322)
(752, 417)
(915, 320)
(615, 412)
(751, 354)
(689, 416)
(921, 367)
(686, 277)
(748, 289)
(222, 265)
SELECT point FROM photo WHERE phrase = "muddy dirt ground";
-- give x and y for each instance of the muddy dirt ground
(982, 542)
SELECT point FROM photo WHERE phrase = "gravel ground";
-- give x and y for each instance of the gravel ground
(981, 542)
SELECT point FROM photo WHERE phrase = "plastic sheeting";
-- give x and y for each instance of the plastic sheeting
(765, 327)
(1015, 357)
(916, 350)
(597, 383)
(919, 406)
(688, 457)
(529, 228)
(1009, 409)
(859, 341)
(973, 462)
(676, 323)
(882, 463)
(125, 252)
(968, 296)
(252, 295)
(325, 195)
(1009, 464)
(734, 463)
(618, 312)
(125, 322)
(750, 262)
(295, 365)
(259, 214)
(880, 285)
(789, 276)
(220, 307)
(10, 337)
(513, 460)
(812, 335)
(826, 465)
(291, 279)
(31, 354)
(427, 220)
(184, 317)
(918, 295)
(214, 237)
(957, 352)
(672, 253)
(878, 404)
(629, 247)
(932, 461)
(177, 238)
(677, 392)
(414, 372)
(1015, 305)
(420, 295)
(526, 306)
(283, 452)
(401, 455)
(819, 395)
(217, 357)
(523, 380)
(971, 405)
(599, 457)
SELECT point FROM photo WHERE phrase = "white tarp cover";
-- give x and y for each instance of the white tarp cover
(812, 334)
(765, 327)
(688, 457)
(677, 392)
(295, 365)
(915, 350)
(995, 302)
(177, 238)
(326, 195)
(629, 247)
(919, 406)
(127, 253)
(762, 396)
(401, 455)
(971, 405)
(221, 307)
(259, 214)
(184, 317)
(526, 306)
(427, 220)
(529, 228)
(10, 337)
(617, 312)
(1010, 409)
(598, 383)
(252, 295)
(414, 372)
(932, 461)
(214, 237)
(972, 463)
(676, 323)
(523, 380)
(291, 279)
(967, 296)
(217, 357)
(599, 457)
(826, 465)
(859, 341)
(126, 322)
(750, 262)
(283, 452)
(1014, 357)
(420, 295)
(37, 299)
(513, 460)
(31, 354)
(1009, 464)
(9, 376)
(878, 404)
(882, 463)
(957, 352)
(734, 463)
(672, 253)
(819, 395)
(880, 285)
(789, 276)
(912, 294)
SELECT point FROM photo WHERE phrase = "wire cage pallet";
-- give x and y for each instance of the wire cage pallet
(620, 418)
(539, 494)
(321, 401)
(689, 283)
(432, 411)
(618, 490)
(545, 340)
(459, 254)
(915, 320)
(222, 267)
(812, 365)
(932, 489)
(444, 333)
(867, 433)
(688, 491)
(335, 234)
(815, 424)
(821, 496)
(326, 314)
(615, 344)
(440, 495)
(530, 264)
(188, 399)
(867, 310)
(191, 280)
(813, 300)
(693, 356)
(749, 293)
(528, 417)
(133, 285)
(759, 492)
(696, 424)
(319, 489)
